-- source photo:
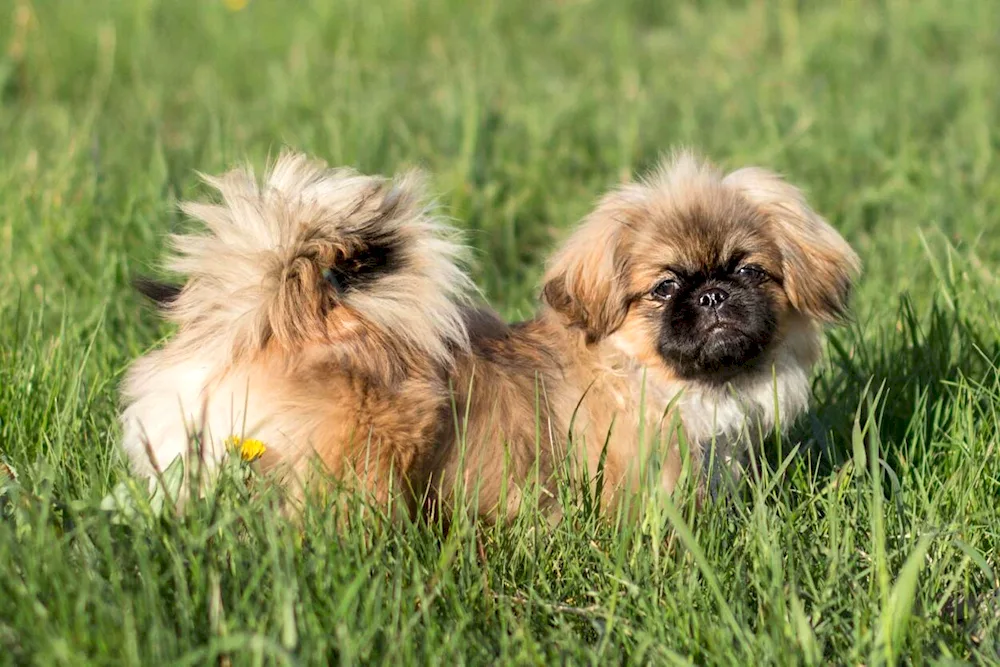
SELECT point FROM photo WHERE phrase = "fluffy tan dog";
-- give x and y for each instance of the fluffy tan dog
(326, 314)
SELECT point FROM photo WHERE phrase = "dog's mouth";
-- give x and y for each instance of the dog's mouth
(725, 342)
(724, 352)
(716, 366)
(717, 346)
(722, 326)
(721, 330)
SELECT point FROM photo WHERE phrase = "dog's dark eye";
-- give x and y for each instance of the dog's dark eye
(665, 289)
(331, 278)
(752, 272)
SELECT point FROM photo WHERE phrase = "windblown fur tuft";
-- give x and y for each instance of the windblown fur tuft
(280, 257)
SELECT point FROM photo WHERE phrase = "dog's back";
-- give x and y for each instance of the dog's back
(317, 313)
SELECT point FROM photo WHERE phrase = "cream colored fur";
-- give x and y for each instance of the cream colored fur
(271, 345)
(240, 297)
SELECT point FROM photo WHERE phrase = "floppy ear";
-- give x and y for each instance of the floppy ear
(819, 266)
(586, 280)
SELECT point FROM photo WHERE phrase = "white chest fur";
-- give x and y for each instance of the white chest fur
(727, 418)
(170, 407)
(733, 416)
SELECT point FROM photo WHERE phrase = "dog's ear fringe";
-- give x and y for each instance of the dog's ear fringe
(820, 264)
(585, 281)
(162, 294)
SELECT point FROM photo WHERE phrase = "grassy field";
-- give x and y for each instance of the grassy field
(877, 541)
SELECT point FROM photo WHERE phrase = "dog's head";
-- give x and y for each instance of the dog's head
(701, 273)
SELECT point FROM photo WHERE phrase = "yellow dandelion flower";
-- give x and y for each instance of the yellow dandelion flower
(235, 5)
(249, 448)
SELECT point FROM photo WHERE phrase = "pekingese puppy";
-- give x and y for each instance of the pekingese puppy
(327, 314)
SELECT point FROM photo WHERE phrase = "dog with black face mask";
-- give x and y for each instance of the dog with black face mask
(326, 314)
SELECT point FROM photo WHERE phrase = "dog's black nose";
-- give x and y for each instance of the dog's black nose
(712, 298)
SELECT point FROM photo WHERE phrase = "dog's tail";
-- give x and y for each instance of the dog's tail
(311, 254)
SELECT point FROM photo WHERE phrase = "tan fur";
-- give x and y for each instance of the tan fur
(265, 348)
(402, 387)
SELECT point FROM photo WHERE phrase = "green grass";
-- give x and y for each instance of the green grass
(878, 542)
